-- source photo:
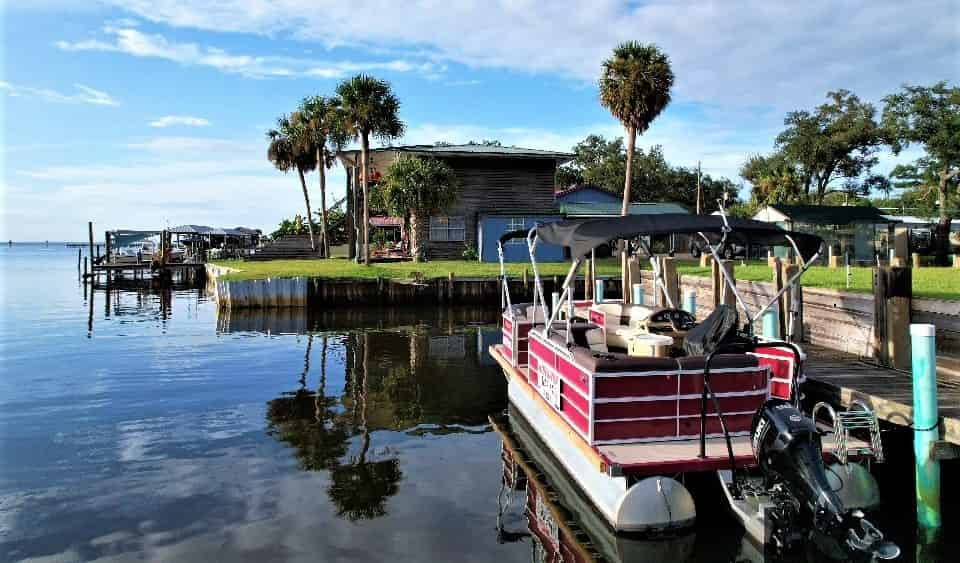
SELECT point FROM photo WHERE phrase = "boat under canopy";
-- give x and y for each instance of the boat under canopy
(628, 396)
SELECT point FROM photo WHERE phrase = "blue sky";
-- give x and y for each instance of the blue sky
(141, 114)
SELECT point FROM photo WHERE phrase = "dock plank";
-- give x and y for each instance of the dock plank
(842, 378)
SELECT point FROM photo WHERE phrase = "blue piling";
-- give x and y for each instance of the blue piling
(926, 431)
(771, 324)
(637, 294)
(598, 291)
(690, 302)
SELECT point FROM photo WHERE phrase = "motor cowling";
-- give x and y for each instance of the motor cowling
(788, 449)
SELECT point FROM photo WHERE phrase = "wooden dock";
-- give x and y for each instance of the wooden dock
(840, 378)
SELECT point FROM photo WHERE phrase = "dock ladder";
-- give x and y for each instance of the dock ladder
(858, 417)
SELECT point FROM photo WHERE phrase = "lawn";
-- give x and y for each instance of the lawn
(933, 283)
(342, 268)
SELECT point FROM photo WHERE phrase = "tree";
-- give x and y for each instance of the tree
(415, 188)
(290, 149)
(368, 107)
(635, 86)
(928, 116)
(324, 126)
(837, 140)
(602, 163)
(773, 178)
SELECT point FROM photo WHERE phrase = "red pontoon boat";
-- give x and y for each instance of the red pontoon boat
(631, 397)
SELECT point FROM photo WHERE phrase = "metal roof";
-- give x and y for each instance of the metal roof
(473, 150)
(831, 214)
(604, 209)
(205, 230)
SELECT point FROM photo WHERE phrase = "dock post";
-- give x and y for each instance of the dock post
(668, 267)
(771, 324)
(690, 301)
(926, 429)
(90, 230)
(588, 279)
(598, 291)
(637, 294)
(79, 259)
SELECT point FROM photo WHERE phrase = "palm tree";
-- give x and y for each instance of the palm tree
(289, 149)
(368, 107)
(416, 187)
(324, 126)
(635, 86)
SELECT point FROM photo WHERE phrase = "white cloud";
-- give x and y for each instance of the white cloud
(82, 94)
(225, 182)
(171, 120)
(134, 42)
(747, 53)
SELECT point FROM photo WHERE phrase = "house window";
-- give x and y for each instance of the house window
(515, 224)
(443, 229)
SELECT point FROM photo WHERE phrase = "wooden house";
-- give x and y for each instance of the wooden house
(500, 189)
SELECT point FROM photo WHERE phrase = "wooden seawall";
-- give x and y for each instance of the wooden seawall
(326, 292)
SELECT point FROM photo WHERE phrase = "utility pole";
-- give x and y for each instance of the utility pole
(699, 196)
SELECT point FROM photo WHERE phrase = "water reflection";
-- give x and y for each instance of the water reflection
(536, 501)
(419, 379)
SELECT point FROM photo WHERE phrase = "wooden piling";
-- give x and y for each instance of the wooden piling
(729, 297)
(778, 283)
(716, 283)
(893, 292)
(588, 279)
(792, 305)
(671, 281)
(901, 244)
(107, 243)
(90, 232)
(916, 260)
(635, 277)
(79, 259)
(450, 281)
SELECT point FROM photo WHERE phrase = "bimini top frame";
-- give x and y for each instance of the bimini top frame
(584, 235)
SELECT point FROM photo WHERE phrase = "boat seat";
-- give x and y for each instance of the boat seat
(618, 316)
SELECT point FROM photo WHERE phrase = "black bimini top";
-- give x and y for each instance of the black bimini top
(583, 235)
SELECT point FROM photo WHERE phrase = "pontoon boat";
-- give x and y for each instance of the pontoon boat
(631, 397)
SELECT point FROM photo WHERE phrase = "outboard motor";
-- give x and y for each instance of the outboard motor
(787, 447)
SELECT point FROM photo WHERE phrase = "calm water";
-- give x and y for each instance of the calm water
(139, 424)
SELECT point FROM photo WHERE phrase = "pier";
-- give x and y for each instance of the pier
(840, 378)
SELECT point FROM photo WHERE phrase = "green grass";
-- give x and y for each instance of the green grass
(341, 268)
(933, 283)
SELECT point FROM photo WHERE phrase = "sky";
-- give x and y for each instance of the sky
(143, 114)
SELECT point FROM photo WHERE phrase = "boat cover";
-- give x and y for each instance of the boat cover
(583, 235)
(718, 329)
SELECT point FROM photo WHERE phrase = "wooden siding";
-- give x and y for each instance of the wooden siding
(496, 186)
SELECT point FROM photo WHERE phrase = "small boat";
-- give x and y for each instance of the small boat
(631, 398)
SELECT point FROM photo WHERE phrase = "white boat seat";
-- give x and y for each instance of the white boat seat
(617, 316)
